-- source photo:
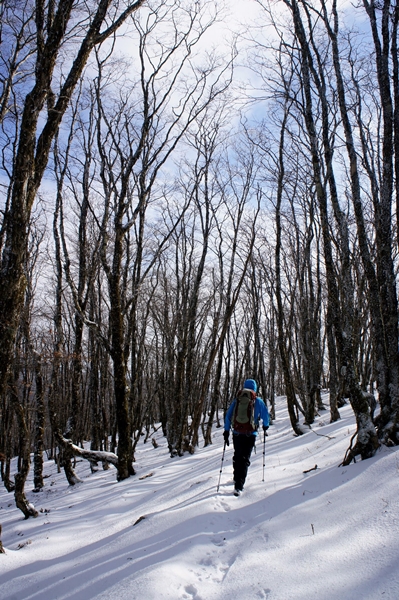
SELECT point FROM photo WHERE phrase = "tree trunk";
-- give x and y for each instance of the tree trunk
(38, 483)
(24, 459)
(285, 362)
(33, 151)
(342, 318)
(383, 314)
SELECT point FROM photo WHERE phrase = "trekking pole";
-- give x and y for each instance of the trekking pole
(264, 454)
(221, 466)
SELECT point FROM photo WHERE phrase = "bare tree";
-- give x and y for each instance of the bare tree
(239, 191)
(52, 28)
(380, 275)
(284, 352)
(137, 130)
(340, 311)
(34, 133)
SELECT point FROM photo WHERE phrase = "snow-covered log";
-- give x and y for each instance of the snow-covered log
(92, 455)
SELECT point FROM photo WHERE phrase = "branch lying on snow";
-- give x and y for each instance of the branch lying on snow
(312, 469)
(92, 455)
(329, 437)
(351, 452)
(145, 476)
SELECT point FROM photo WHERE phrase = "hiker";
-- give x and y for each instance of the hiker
(243, 416)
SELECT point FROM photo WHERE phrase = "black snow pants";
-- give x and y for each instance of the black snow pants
(243, 445)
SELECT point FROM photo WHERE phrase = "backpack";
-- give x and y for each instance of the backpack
(244, 412)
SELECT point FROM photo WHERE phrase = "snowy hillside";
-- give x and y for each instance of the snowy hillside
(329, 534)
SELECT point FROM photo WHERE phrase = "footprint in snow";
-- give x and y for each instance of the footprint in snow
(218, 540)
(263, 594)
(239, 523)
(191, 593)
(222, 504)
(207, 561)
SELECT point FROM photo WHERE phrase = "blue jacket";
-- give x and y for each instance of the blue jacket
(260, 410)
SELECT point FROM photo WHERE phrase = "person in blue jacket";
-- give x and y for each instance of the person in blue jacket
(244, 442)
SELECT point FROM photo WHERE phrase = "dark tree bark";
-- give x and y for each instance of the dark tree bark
(54, 393)
(2, 551)
(395, 86)
(38, 482)
(388, 423)
(24, 457)
(284, 354)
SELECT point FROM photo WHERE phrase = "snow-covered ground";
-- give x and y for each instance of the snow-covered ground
(329, 534)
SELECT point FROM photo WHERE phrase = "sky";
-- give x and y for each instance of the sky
(331, 533)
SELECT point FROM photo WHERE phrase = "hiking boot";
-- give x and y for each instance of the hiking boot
(237, 492)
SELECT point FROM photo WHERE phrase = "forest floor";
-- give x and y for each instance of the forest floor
(304, 533)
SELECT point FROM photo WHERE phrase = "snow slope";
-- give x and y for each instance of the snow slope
(329, 534)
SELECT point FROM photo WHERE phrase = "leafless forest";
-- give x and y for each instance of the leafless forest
(181, 209)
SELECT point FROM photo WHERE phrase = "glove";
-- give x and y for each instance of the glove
(226, 437)
(265, 428)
